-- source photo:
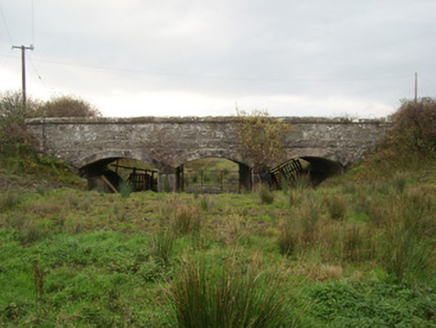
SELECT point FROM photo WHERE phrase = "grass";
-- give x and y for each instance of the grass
(348, 253)
(110, 261)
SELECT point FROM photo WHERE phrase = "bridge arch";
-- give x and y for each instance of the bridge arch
(237, 178)
(95, 168)
(318, 169)
(212, 153)
(321, 168)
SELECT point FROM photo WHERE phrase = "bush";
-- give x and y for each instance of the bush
(67, 106)
(415, 128)
(12, 116)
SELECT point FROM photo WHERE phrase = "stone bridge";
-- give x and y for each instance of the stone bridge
(329, 145)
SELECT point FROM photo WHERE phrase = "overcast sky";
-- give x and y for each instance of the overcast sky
(198, 58)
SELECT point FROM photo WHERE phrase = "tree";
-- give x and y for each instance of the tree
(262, 138)
(67, 106)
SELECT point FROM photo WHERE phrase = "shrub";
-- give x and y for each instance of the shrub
(12, 116)
(415, 128)
(67, 106)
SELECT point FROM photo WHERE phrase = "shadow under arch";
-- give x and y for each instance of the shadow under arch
(95, 168)
(210, 174)
(321, 168)
(317, 168)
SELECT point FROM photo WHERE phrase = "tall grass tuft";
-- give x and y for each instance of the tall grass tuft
(265, 194)
(336, 207)
(407, 251)
(162, 244)
(404, 256)
(229, 296)
(186, 220)
(358, 244)
(287, 240)
(310, 213)
(301, 181)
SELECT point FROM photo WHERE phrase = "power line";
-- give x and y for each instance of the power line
(33, 23)
(6, 25)
(222, 77)
(427, 80)
(37, 73)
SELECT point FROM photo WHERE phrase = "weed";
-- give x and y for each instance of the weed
(399, 182)
(234, 231)
(31, 233)
(126, 189)
(46, 208)
(206, 203)
(285, 185)
(167, 186)
(265, 194)
(8, 201)
(357, 244)
(16, 221)
(287, 240)
(42, 190)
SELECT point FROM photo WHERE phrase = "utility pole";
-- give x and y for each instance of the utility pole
(23, 68)
(416, 88)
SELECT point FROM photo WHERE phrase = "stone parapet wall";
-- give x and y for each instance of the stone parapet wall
(169, 142)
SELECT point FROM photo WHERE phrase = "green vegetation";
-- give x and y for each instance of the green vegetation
(261, 138)
(358, 251)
